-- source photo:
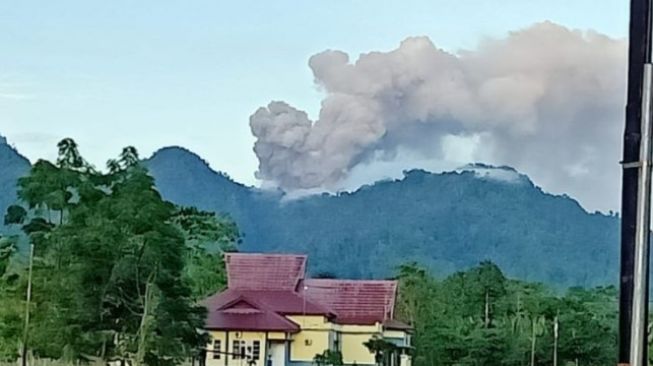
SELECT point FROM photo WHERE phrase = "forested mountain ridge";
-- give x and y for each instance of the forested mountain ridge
(12, 166)
(447, 222)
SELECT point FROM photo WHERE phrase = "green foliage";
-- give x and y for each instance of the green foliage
(207, 237)
(15, 215)
(452, 328)
(328, 358)
(447, 222)
(69, 156)
(117, 269)
(7, 249)
(10, 319)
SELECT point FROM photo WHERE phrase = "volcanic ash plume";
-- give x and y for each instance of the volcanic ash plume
(546, 100)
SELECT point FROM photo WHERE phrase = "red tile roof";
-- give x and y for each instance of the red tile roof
(248, 271)
(262, 288)
(354, 301)
(245, 314)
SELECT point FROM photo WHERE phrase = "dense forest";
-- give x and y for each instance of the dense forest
(446, 222)
(118, 272)
(480, 317)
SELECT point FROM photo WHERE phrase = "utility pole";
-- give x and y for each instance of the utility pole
(27, 305)
(635, 209)
(639, 326)
(555, 341)
(304, 294)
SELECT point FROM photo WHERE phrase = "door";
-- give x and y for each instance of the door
(277, 354)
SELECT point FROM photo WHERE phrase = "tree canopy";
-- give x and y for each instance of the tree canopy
(117, 269)
(480, 317)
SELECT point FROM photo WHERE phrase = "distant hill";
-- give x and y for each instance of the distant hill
(447, 222)
(12, 166)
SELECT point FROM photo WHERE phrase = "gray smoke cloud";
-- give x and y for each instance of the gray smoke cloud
(546, 100)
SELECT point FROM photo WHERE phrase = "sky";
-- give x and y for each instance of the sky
(158, 73)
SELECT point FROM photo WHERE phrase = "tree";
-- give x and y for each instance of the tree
(479, 317)
(207, 238)
(329, 358)
(7, 249)
(15, 215)
(10, 301)
(69, 156)
(110, 263)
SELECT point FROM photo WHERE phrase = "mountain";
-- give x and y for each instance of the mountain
(12, 166)
(447, 222)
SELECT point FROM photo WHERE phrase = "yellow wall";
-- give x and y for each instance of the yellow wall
(313, 339)
(210, 361)
(308, 343)
(316, 336)
(353, 350)
(321, 334)
(352, 339)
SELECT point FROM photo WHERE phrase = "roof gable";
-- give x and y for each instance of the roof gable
(237, 311)
(240, 305)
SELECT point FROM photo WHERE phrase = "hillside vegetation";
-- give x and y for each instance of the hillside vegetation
(446, 222)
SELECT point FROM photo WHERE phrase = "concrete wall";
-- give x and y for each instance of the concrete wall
(308, 343)
(353, 349)
(352, 339)
(313, 339)
(212, 358)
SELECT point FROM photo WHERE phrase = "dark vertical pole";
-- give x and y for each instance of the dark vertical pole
(638, 54)
(27, 307)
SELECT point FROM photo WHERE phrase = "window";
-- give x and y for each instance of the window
(236, 350)
(256, 350)
(217, 348)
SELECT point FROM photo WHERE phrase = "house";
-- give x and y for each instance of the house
(272, 315)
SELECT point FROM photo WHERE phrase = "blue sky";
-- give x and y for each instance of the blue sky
(157, 73)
